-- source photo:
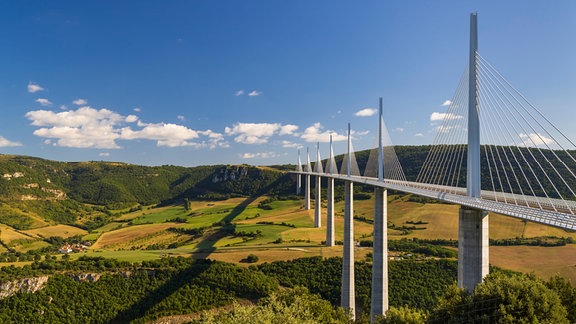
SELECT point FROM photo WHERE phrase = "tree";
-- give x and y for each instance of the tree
(402, 314)
(502, 298)
(252, 258)
(287, 306)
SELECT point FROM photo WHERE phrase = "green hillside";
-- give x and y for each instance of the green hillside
(89, 194)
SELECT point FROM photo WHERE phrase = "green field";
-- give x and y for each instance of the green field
(234, 227)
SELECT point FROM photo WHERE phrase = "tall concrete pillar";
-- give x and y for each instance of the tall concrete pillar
(330, 213)
(348, 295)
(473, 252)
(318, 207)
(298, 184)
(307, 193)
(380, 255)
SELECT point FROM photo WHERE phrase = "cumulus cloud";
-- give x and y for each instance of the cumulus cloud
(258, 133)
(263, 155)
(44, 102)
(239, 93)
(33, 87)
(7, 143)
(366, 112)
(316, 133)
(438, 116)
(288, 129)
(87, 127)
(446, 103)
(180, 117)
(80, 102)
(254, 93)
(104, 154)
(288, 144)
(137, 109)
(418, 134)
(398, 129)
(535, 139)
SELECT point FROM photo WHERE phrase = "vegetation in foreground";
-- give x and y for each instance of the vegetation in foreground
(217, 292)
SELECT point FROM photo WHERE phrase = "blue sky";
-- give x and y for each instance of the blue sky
(226, 82)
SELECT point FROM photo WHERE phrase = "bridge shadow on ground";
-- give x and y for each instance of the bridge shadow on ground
(143, 306)
(207, 245)
(205, 249)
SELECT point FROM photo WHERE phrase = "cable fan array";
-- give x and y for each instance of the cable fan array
(525, 160)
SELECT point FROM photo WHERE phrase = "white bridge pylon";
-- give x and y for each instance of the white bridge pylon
(494, 152)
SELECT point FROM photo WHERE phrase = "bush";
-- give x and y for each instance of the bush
(252, 258)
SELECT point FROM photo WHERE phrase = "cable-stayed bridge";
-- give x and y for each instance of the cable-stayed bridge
(494, 152)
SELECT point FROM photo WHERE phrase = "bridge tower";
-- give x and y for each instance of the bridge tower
(379, 298)
(347, 298)
(473, 254)
(299, 176)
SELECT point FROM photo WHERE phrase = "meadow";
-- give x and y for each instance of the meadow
(231, 229)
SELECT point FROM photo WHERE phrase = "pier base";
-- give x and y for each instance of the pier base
(473, 250)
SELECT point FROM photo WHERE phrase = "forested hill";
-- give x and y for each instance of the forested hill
(63, 191)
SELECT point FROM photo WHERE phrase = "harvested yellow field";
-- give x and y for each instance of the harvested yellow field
(8, 234)
(64, 231)
(543, 261)
(279, 254)
(126, 235)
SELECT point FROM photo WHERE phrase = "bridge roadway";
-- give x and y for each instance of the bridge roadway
(554, 212)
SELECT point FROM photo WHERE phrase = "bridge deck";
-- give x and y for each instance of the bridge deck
(554, 212)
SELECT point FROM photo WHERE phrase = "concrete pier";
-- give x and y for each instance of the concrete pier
(318, 206)
(379, 296)
(330, 213)
(307, 193)
(473, 253)
(348, 296)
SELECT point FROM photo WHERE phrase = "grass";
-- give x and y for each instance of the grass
(61, 230)
(149, 227)
(8, 234)
(545, 262)
(129, 235)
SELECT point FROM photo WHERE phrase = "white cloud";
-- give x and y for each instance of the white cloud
(131, 119)
(33, 87)
(63, 107)
(438, 116)
(137, 109)
(418, 134)
(254, 93)
(44, 102)
(80, 102)
(7, 143)
(263, 155)
(366, 112)
(180, 117)
(535, 139)
(239, 93)
(87, 127)
(288, 129)
(446, 103)
(316, 133)
(288, 144)
(398, 129)
(258, 133)
(104, 154)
